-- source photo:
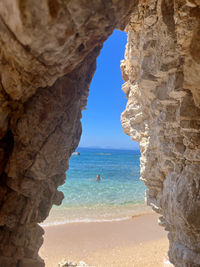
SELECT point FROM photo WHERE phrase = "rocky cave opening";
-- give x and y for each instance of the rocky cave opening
(101, 133)
(48, 55)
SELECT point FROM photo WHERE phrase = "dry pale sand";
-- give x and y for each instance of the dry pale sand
(136, 242)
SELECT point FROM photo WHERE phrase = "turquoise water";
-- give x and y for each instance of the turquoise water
(120, 194)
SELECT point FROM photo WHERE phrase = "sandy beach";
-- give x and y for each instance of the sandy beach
(135, 242)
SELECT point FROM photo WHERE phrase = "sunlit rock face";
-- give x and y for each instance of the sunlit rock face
(162, 83)
(47, 60)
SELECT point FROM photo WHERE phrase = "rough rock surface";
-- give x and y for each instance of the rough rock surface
(47, 60)
(48, 53)
(162, 82)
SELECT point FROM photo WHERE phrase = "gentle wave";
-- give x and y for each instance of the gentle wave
(55, 223)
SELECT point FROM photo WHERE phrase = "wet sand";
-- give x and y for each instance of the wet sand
(135, 242)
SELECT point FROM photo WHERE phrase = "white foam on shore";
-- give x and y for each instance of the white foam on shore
(56, 223)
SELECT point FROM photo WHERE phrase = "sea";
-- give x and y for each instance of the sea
(118, 195)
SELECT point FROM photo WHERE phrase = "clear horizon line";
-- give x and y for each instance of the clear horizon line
(108, 147)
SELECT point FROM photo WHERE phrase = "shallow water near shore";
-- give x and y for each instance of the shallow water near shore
(118, 196)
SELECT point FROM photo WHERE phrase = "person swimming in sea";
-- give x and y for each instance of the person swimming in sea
(98, 178)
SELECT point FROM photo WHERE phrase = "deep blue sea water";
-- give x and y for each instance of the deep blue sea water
(119, 195)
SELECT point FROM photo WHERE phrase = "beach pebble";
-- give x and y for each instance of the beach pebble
(82, 264)
(67, 263)
(167, 263)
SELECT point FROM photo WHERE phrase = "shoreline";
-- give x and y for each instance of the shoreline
(55, 223)
(99, 243)
(57, 216)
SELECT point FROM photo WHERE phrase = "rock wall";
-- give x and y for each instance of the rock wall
(161, 72)
(44, 136)
(47, 60)
(48, 51)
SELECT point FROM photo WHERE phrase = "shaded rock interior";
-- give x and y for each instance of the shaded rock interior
(47, 60)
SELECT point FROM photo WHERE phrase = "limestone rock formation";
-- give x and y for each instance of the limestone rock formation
(161, 71)
(47, 60)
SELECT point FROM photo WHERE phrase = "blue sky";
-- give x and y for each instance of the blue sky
(101, 121)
